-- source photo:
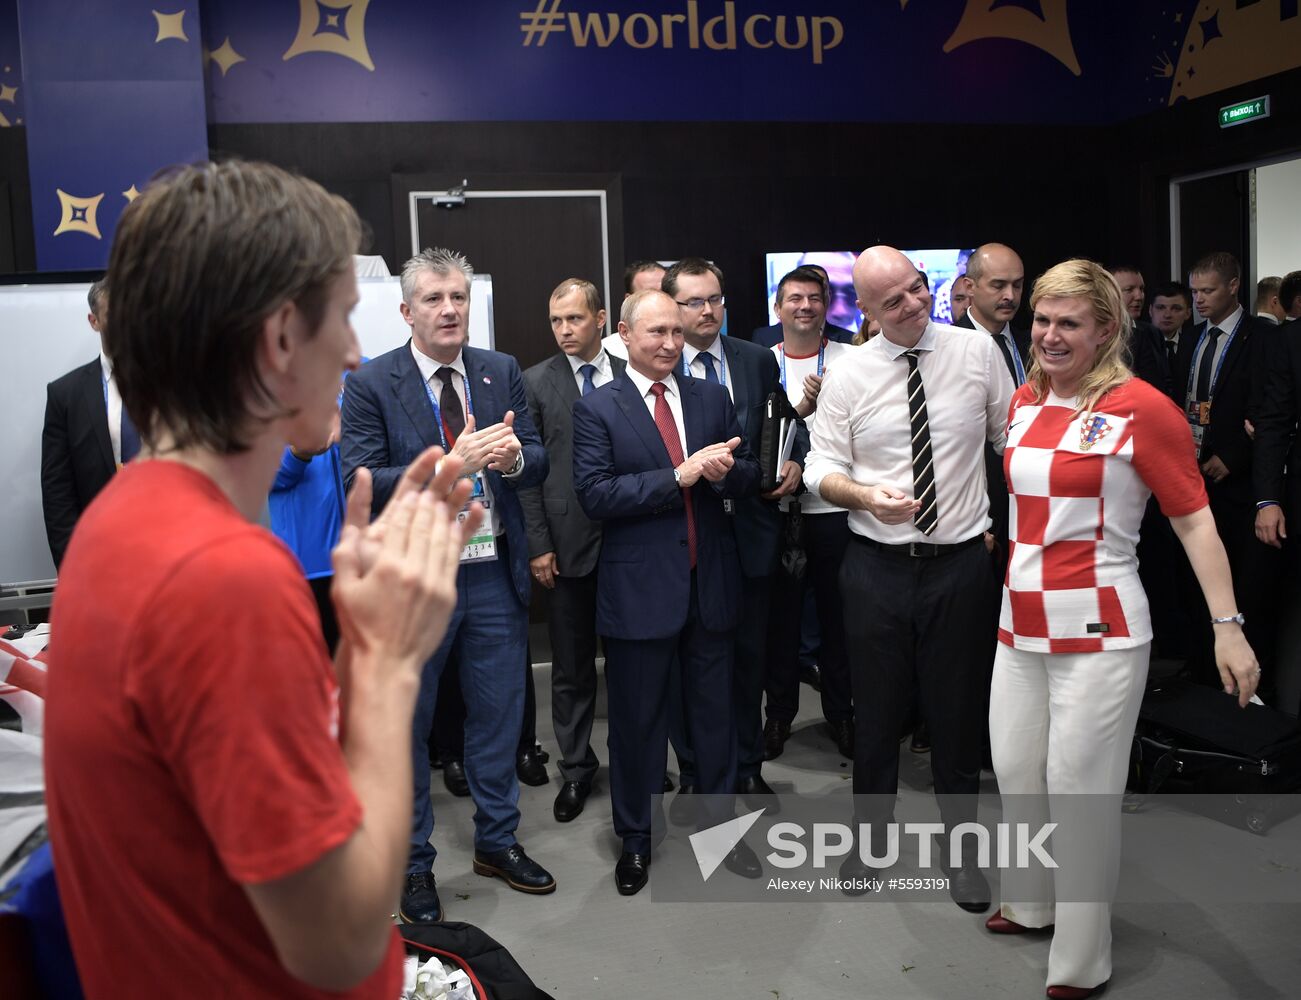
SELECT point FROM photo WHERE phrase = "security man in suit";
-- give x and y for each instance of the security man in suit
(435, 390)
(656, 455)
(88, 435)
(563, 542)
(748, 373)
(1221, 373)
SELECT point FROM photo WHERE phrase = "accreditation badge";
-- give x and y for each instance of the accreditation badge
(482, 546)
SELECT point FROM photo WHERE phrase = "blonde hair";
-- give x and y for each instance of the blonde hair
(1084, 279)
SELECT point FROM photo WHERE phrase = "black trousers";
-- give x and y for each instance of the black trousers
(637, 680)
(572, 627)
(917, 632)
(325, 606)
(826, 536)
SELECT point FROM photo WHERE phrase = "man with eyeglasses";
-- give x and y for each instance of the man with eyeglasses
(748, 373)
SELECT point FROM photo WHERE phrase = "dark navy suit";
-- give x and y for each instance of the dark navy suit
(387, 421)
(752, 373)
(652, 608)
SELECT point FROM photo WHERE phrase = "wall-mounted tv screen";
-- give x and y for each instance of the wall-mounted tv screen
(941, 267)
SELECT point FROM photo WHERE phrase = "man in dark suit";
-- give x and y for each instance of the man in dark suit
(1170, 312)
(1147, 355)
(86, 438)
(563, 542)
(434, 390)
(656, 455)
(997, 278)
(771, 336)
(1221, 373)
(749, 373)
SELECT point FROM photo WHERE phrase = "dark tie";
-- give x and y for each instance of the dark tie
(450, 405)
(707, 360)
(1171, 350)
(130, 439)
(588, 372)
(923, 456)
(1206, 366)
(1001, 341)
(669, 432)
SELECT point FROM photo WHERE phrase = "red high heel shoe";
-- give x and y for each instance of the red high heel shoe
(999, 924)
(1075, 992)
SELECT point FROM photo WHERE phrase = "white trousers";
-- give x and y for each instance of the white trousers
(1063, 724)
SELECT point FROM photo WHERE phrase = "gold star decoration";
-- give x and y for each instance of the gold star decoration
(1052, 34)
(79, 214)
(170, 26)
(8, 93)
(313, 16)
(224, 56)
(131, 193)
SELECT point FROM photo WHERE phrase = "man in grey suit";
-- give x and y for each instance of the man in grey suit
(563, 542)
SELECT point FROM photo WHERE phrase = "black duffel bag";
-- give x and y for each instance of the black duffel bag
(493, 971)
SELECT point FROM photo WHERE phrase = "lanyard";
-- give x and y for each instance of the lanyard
(438, 413)
(1197, 353)
(1016, 357)
(822, 350)
(722, 366)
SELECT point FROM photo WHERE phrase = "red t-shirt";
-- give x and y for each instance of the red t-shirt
(191, 742)
(1079, 483)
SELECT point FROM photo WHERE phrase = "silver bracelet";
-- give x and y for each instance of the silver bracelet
(1238, 619)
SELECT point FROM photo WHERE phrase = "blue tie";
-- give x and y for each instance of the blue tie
(707, 360)
(130, 439)
(588, 372)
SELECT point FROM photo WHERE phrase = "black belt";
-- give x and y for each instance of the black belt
(918, 550)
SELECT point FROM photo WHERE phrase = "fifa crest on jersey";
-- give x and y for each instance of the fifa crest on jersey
(1093, 430)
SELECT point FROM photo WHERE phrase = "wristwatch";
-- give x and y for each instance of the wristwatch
(677, 477)
(1240, 618)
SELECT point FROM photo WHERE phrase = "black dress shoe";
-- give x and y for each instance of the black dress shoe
(454, 778)
(758, 794)
(570, 799)
(529, 767)
(921, 741)
(631, 873)
(420, 903)
(682, 810)
(668, 784)
(842, 733)
(742, 861)
(517, 868)
(811, 674)
(775, 735)
(855, 875)
(969, 888)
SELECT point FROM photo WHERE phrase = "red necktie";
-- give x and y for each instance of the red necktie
(669, 432)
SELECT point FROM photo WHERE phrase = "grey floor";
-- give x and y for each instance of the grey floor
(587, 941)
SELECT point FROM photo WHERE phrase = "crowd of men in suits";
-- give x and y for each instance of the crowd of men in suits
(620, 474)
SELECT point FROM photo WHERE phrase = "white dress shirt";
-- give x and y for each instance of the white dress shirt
(697, 367)
(1221, 345)
(863, 430)
(674, 400)
(1005, 334)
(604, 370)
(615, 347)
(113, 406)
(429, 372)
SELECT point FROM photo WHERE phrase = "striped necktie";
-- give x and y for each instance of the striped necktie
(923, 456)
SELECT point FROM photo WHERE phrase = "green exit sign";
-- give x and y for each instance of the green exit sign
(1244, 111)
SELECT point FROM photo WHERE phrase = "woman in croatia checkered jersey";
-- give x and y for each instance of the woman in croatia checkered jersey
(1087, 444)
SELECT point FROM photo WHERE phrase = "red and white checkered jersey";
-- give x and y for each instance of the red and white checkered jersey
(1079, 483)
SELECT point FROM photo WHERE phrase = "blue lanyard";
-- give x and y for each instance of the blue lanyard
(1016, 358)
(822, 349)
(1197, 353)
(722, 366)
(438, 413)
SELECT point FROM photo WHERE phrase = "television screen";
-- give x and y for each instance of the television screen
(940, 266)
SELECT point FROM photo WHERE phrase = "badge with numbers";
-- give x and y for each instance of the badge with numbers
(482, 546)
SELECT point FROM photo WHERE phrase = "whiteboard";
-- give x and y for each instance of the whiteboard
(44, 334)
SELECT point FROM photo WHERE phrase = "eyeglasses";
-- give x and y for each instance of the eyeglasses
(697, 304)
